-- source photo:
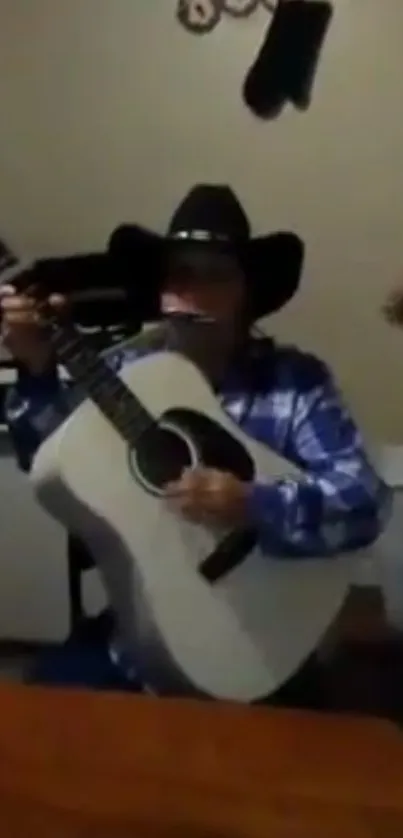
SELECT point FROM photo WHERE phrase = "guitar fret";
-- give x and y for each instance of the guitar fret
(106, 389)
(103, 386)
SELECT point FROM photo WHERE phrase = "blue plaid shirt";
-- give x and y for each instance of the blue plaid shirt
(339, 504)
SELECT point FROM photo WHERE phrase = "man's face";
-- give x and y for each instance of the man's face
(212, 286)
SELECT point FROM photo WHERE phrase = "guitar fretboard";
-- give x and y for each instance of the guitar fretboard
(106, 389)
(79, 352)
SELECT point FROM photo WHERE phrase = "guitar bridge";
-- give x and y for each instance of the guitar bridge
(233, 550)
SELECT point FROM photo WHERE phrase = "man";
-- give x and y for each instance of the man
(212, 281)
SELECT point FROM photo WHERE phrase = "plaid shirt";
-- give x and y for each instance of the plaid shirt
(339, 504)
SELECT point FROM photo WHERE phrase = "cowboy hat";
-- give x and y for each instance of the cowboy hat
(211, 218)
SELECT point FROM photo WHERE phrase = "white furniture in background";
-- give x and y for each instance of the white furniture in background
(33, 560)
(34, 602)
(390, 546)
(33, 567)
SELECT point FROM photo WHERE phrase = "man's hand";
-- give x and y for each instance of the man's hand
(208, 496)
(22, 330)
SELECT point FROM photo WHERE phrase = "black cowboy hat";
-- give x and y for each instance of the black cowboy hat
(211, 217)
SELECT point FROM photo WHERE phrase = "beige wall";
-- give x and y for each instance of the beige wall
(109, 111)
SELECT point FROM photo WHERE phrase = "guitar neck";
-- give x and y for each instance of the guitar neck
(100, 383)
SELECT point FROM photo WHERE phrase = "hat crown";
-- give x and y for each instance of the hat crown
(210, 212)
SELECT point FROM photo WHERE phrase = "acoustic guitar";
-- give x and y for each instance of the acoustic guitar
(204, 610)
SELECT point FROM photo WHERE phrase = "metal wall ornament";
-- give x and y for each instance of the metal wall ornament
(270, 5)
(240, 8)
(199, 16)
(202, 16)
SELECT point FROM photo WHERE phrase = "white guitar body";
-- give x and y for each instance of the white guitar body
(239, 637)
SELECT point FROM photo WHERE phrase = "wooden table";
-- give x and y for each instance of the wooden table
(109, 766)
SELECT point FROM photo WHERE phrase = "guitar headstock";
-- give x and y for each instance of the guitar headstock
(11, 267)
(101, 311)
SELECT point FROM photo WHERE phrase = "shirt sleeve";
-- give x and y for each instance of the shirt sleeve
(340, 503)
(36, 405)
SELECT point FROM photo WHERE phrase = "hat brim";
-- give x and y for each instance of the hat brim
(272, 265)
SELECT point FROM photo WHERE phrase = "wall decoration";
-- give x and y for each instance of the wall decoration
(199, 16)
(285, 66)
(240, 8)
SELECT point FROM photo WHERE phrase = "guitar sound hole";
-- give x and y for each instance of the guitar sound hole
(161, 456)
(217, 448)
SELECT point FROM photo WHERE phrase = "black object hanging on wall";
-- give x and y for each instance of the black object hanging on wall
(285, 67)
(202, 16)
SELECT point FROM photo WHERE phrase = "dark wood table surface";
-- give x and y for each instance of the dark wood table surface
(112, 766)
